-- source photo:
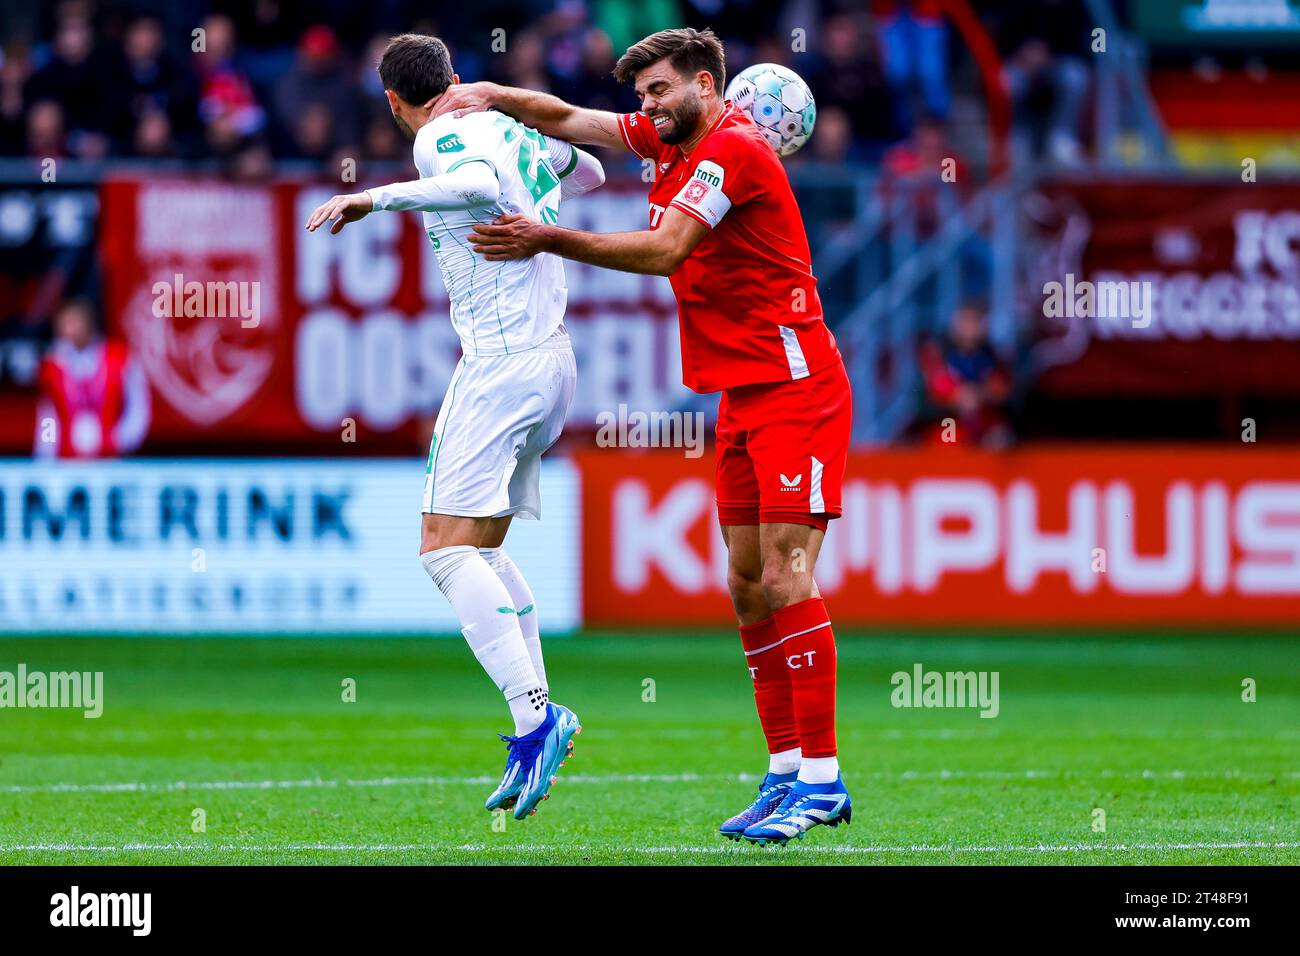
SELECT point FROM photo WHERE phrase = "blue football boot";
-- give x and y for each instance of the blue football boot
(805, 806)
(533, 760)
(771, 792)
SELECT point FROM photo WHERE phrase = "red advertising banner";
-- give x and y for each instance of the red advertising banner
(349, 328)
(1173, 536)
(1194, 286)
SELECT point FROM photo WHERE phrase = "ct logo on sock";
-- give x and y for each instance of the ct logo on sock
(807, 655)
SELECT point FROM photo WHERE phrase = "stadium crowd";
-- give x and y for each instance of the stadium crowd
(243, 87)
(252, 82)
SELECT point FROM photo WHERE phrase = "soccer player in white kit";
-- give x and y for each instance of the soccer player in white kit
(511, 391)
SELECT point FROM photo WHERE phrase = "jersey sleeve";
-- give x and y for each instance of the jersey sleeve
(726, 175)
(562, 155)
(579, 172)
(639, 134)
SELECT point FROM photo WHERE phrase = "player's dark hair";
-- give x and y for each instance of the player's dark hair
(688, 50)
(416, 67)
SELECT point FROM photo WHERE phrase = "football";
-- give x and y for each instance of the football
(779, 101)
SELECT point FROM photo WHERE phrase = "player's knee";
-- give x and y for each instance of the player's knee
(776, 585)
(746, 591)
(784, 583)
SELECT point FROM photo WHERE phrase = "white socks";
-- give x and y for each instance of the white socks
(811, 769)
(491, 627)
(787, 761)
(526, 608)
(819, 769)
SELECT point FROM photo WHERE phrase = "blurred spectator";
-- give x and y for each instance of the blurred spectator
(267, 76)
(162, 97)
(94, 398)
(834, 140)
(1044, 44)
(562, 33)
(524, 64)
(914, 45)
(925, 158)
(317, 100)
(847, 76)
(45, 130)
(927, 168)
(967, 382)
(383, 141)
(268, 31)
(15, 70)
(252, 163)
(366, 74)
(86, 82)
(594, 85)
(229, 109)
(153, 136)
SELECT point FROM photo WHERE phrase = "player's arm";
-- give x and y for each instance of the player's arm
(652, 252)
(579, 171)
(468, 186)
(543, 112)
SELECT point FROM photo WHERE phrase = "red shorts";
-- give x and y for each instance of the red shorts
(782, 448)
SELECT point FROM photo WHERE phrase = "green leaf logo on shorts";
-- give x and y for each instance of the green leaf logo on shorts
(451, 143)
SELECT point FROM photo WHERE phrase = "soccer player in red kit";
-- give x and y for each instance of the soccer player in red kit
(725, 228)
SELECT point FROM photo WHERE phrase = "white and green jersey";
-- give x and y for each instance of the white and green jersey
(497, 307)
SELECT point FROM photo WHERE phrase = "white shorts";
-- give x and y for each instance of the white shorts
(498, 416)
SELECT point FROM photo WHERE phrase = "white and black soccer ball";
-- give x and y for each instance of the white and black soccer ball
(778, 101)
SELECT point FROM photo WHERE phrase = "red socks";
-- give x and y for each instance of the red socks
(791, 658)
(808, 650)
(772, 692)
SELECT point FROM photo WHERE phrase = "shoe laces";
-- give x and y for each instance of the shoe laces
(765, 792)
(793, 800)
(519, 748)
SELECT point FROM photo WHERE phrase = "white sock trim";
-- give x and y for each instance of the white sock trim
(806, 630)
(787, 761)
(819, 769)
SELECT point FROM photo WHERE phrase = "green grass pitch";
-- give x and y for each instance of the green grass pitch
(1149, 728)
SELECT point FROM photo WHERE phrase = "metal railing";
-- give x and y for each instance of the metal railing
(914, 252)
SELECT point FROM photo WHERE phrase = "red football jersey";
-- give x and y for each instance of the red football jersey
(746, 297)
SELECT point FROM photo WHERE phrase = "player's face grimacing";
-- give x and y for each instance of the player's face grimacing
(672, 101)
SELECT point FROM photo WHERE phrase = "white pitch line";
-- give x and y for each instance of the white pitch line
(181, 786)
(643, 850)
